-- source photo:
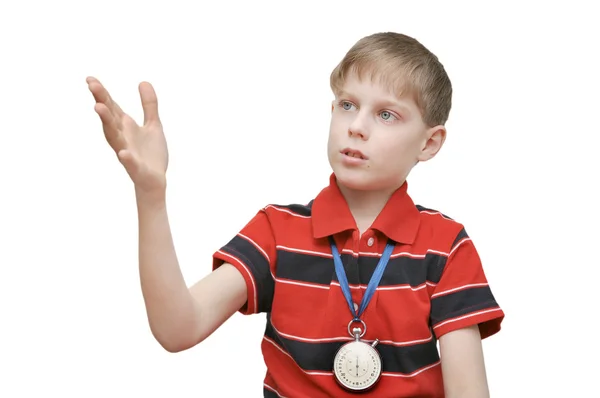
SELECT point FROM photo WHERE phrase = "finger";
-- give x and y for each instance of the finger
(111, 129)
(149, 103)
(98, 91)
(102, 96)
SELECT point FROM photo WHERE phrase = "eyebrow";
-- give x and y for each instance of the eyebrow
(395, 104)
(389, 103)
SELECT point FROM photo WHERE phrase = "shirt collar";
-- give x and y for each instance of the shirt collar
(399, 220)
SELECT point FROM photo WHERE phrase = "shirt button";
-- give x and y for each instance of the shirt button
(370, 242)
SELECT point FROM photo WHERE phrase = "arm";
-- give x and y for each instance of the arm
(179, 317)
(463, 365)
(464, 311)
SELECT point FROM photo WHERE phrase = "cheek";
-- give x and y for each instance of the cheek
(397, 154)
(332, 138)
(336, 130)
(335, 123)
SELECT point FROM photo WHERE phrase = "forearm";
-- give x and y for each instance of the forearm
(171, 311)
(463, 365)
(469, 382)
(474, 392)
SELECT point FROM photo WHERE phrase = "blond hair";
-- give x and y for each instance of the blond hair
(406, 66)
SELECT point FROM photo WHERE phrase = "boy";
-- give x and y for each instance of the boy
(360, 284)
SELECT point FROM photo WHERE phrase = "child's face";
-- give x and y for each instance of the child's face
(389, 132)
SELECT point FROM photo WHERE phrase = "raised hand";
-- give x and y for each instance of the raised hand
(142, 150)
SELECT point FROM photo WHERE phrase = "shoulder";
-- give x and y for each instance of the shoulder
(288, 211)
(285, 219)
(439, 226)
(434, 216)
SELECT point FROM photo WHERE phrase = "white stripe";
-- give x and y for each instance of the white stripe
(436, 213)
(395, 255)
(379, 288)
(358, 254)
(401, 287)
(313, 373)
(308, 340)
(274, 390)
(293, 250)
(438, 252)
(358, 287)
(348, 338)
(239, 262)
(459, 244)
(456, 289)
(413, 374)
(305, 284)
(465, 317)
(286, 211)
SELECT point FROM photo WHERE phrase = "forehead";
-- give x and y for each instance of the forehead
(377, 88)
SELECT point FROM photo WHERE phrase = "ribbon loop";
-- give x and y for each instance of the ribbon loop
(373, 283)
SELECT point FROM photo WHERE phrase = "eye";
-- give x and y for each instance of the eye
(385, 115)
(347, 106)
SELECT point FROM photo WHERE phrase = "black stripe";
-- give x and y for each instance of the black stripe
(320, 270)
(461, 235)
(435, 268)
(258, 265)
(268, 393)
(319, 356)
(461, 303)
(302, 210)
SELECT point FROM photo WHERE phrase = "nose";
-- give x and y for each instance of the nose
(358, 128)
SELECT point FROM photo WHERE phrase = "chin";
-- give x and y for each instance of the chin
(357, 179)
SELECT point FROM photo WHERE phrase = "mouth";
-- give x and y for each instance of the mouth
(353, 153)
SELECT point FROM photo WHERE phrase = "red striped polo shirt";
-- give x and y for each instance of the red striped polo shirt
(434, 283)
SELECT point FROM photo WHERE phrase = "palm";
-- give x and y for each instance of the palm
(141, 149)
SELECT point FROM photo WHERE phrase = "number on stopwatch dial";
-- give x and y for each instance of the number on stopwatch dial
(357, 365)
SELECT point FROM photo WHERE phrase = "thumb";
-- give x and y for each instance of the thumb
(149, 103)
(129, 162)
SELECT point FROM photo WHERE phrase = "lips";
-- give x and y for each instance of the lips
(353, 153)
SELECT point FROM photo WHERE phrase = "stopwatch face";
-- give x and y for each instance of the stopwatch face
(357, 366)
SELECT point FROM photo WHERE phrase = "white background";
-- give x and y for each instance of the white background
(244, 97)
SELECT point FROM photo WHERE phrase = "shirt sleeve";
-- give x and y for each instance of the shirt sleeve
(463, 297)
(253, 253)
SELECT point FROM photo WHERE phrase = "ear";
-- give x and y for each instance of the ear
(433, 142)
(332, 106)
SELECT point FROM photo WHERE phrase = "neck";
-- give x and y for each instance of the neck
(365, 206)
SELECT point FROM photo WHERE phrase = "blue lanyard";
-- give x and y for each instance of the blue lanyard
(373, 283)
